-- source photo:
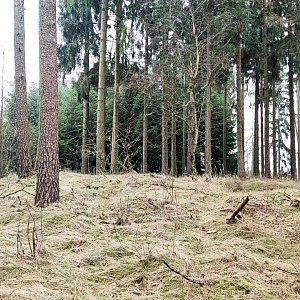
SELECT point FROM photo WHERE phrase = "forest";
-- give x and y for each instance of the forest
(159, 155)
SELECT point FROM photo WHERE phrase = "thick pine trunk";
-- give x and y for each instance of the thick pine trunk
(146, 105)
(240, 119)
(100, 143)
(23, 148)
(262, 152)
(173, 129)
(115, 129)
(208, 168)
(256, 130)
(47, 189)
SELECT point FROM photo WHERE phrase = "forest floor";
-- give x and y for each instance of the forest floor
(137, 236)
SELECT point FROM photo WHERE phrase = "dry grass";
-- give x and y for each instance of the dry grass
(108, 236)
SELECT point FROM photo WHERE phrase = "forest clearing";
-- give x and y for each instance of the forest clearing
(133, 236)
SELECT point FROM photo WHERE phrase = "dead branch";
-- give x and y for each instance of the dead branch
(182, 275)
(239, 209)
(17, 191)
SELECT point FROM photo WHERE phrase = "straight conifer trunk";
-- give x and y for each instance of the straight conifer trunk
(23, 144)
(240, 119)
(173, 129)
(146, 105)
(2, 160)
(225, 131)
(256, 130)
(274, 130)
(47, 189)
(100, 144)
(298, 119)
(115, 129)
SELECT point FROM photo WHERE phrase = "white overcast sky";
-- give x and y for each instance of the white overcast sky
(31, 41)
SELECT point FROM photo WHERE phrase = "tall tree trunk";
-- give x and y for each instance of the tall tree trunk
(100, 144)
(274, 130)
(165, 96)
(184, 138)
(267, 172)
(47, 189)
(298, 119)
(115, 129)
(225, 114)
(262, 148)
(85, 93)
(208, 169)
(256, 129)
(240, 119)
(292, 115)
(1, 120)
(146, 104)
(173, 125)
(23, 147)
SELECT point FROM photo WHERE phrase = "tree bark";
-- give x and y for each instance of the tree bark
(208, 168)
(262, 152)
(164, 135)
(47, 189)
(100, 143)
(267, 172)
(292, 115)
(173, 128)
(274, 131)
(240, 119)
(298, 119)
(146, 104)
(1, 120)
(115, 129)
(225, 130)
(85, 91)
(23, 144)
(256, 130)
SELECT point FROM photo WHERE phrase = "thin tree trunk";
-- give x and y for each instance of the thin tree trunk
(278, 144)
(208, 168)
(47, 189)
(23, 147)
(115, 129)
(225, 131)
(146, 105)
(266, 93)
(100, 144)
(256, 130)
(164, 135)
(298, 119)
(274, 130)
(85, 90)
(173, 129)
(1, 120)
(292, 116)
(240, 120)
(262, 152)
(184, 144)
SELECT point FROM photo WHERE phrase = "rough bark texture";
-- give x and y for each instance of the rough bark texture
(115, 129)
(85, 94)
(256, 130)
(267, 172)
(100, 145)
(23, 147)
(47, 189)
(274, 130)
(292, 117)
(262, 152)
(208, 169)
(146, 105)
(240, 119)
(1, 120)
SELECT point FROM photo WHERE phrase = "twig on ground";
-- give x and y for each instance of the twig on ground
(182, 275)
(239, 209)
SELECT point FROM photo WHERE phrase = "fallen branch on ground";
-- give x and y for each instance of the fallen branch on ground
(232, 219)
(182, 275)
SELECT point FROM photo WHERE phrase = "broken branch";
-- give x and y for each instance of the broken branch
(239, 209)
